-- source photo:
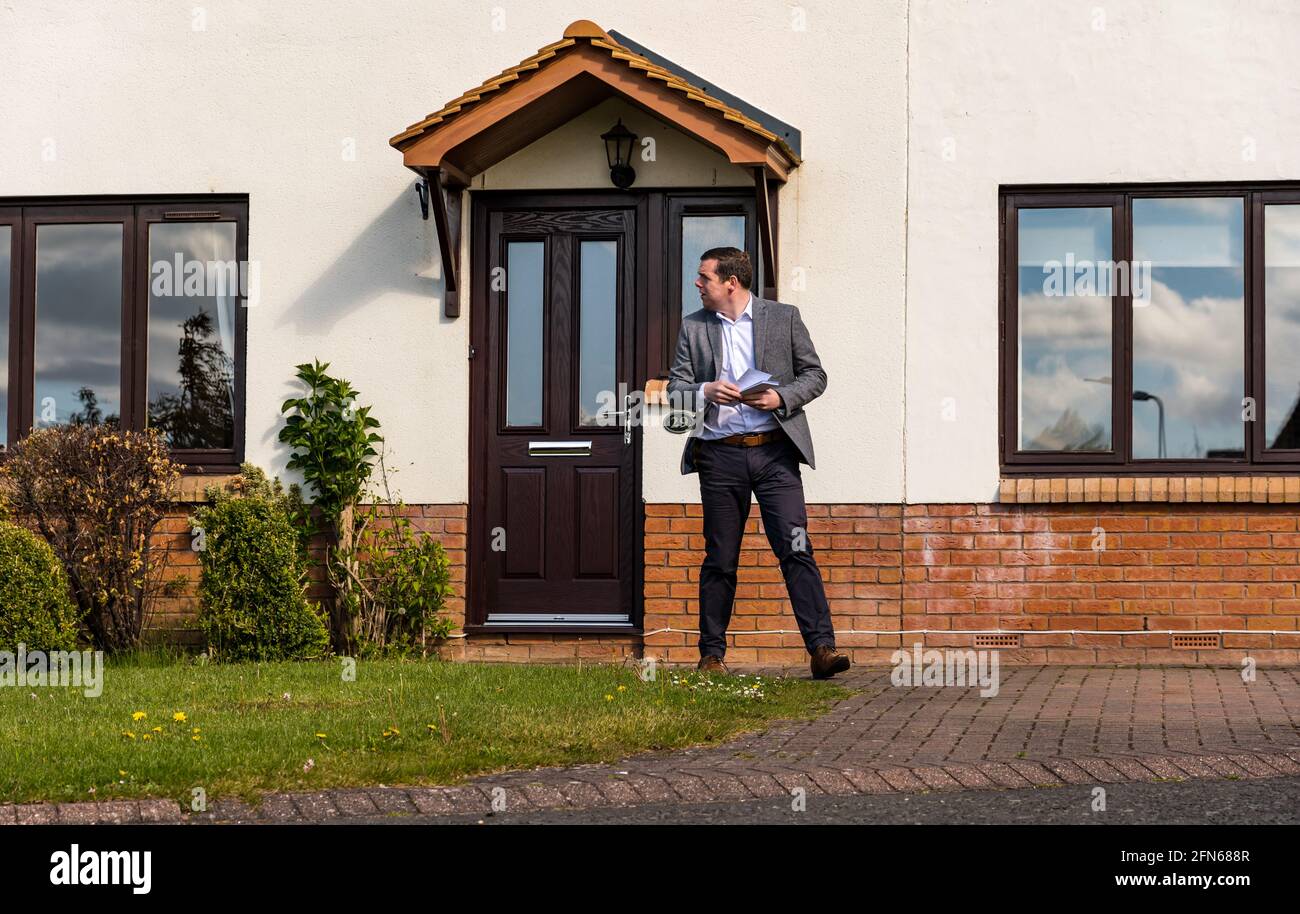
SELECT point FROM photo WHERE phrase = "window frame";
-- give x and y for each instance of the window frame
(718, 202)
(136, 214)
(1270, 458)
(1256, 458)
(502, 320)
(12, 217)
(34, 217)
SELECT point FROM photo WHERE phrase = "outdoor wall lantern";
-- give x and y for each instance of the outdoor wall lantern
(618, 153)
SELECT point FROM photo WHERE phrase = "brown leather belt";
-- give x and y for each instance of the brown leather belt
(753, 439)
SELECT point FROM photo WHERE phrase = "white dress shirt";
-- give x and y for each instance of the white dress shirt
(719, 421)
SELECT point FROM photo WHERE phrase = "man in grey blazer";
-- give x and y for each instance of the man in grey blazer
(750, 442)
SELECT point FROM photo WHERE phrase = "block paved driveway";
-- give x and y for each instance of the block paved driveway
(1047, 726)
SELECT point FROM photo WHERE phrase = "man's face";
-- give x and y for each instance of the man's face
(714, 292)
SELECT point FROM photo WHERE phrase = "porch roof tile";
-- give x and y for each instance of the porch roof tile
(587, 32)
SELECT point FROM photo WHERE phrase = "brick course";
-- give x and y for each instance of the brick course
(1030, 568)
(174, 615)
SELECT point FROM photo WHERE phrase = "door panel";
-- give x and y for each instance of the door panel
(560, 464)
(596, 535)
(524, 501)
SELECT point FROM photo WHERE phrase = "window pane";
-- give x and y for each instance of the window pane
(1188, 338)
(597, 325)
(6, 241)
(525, 276)
(193, 289)
(1282, 326)
(78, 324)
(699, 233)
(1064, 329)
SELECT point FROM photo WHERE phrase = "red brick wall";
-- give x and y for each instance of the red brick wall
(1024, 568)
(174, 617)
(544, 648)
(1028, 568)
(857, 547)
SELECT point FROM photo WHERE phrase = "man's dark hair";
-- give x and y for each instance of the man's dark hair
(731, 262)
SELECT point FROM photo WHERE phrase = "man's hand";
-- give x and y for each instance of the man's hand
(764, 399)
(723, 392)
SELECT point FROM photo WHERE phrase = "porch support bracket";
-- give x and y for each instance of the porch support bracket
(765, 200)
(442, 191)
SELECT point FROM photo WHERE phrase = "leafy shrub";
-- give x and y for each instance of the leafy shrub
(35, 607)
(389, 583)
(96, 494)
(331, 439)
(402, 580)
(332, 445)
(253, 605)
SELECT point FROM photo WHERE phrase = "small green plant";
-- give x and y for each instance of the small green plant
(35, 607)
(331, 439)
(253, 604)
(333, 443)
(398, 579)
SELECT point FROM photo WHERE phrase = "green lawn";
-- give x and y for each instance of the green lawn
(249, 728)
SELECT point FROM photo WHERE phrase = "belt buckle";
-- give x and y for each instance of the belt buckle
(752, 439)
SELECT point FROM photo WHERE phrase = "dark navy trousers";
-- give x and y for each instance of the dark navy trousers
(728, 474)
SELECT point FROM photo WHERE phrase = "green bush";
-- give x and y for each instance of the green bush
(333, 445)
(36, 608)
(404, 578)
(252, 601)
(97, 494)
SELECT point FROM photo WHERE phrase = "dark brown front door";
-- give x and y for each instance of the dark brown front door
(556, 537)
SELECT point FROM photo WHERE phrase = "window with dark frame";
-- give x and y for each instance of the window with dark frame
(127, 312)
(1150, 329)
(695, 223)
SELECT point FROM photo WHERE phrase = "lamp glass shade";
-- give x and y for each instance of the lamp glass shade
(618, 145)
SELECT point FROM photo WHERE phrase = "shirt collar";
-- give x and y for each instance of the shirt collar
(748, 312)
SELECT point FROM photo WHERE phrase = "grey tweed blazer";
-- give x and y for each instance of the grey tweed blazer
(782, 347)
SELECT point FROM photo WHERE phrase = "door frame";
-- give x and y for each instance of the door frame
(483, 203)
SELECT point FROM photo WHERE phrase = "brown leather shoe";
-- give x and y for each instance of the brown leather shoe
(826, 662)
(712, 664)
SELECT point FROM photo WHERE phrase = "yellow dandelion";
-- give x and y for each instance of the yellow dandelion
(179, 717)
(320, 736)
(622, 688)
(196, 737)
(157, 729)
(138, 715)
(609, 697)
(128, 734)
(146, 736)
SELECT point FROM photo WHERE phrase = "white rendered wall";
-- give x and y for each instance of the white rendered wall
(293, 105)
(266, 100)
(841, 214)
(1053, 91)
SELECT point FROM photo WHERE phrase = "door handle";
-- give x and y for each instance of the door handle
(559, 449)
(625, 412)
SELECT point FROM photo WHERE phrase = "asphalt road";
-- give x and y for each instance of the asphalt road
(1261, 801)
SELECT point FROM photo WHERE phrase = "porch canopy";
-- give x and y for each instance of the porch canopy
(527, 101)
